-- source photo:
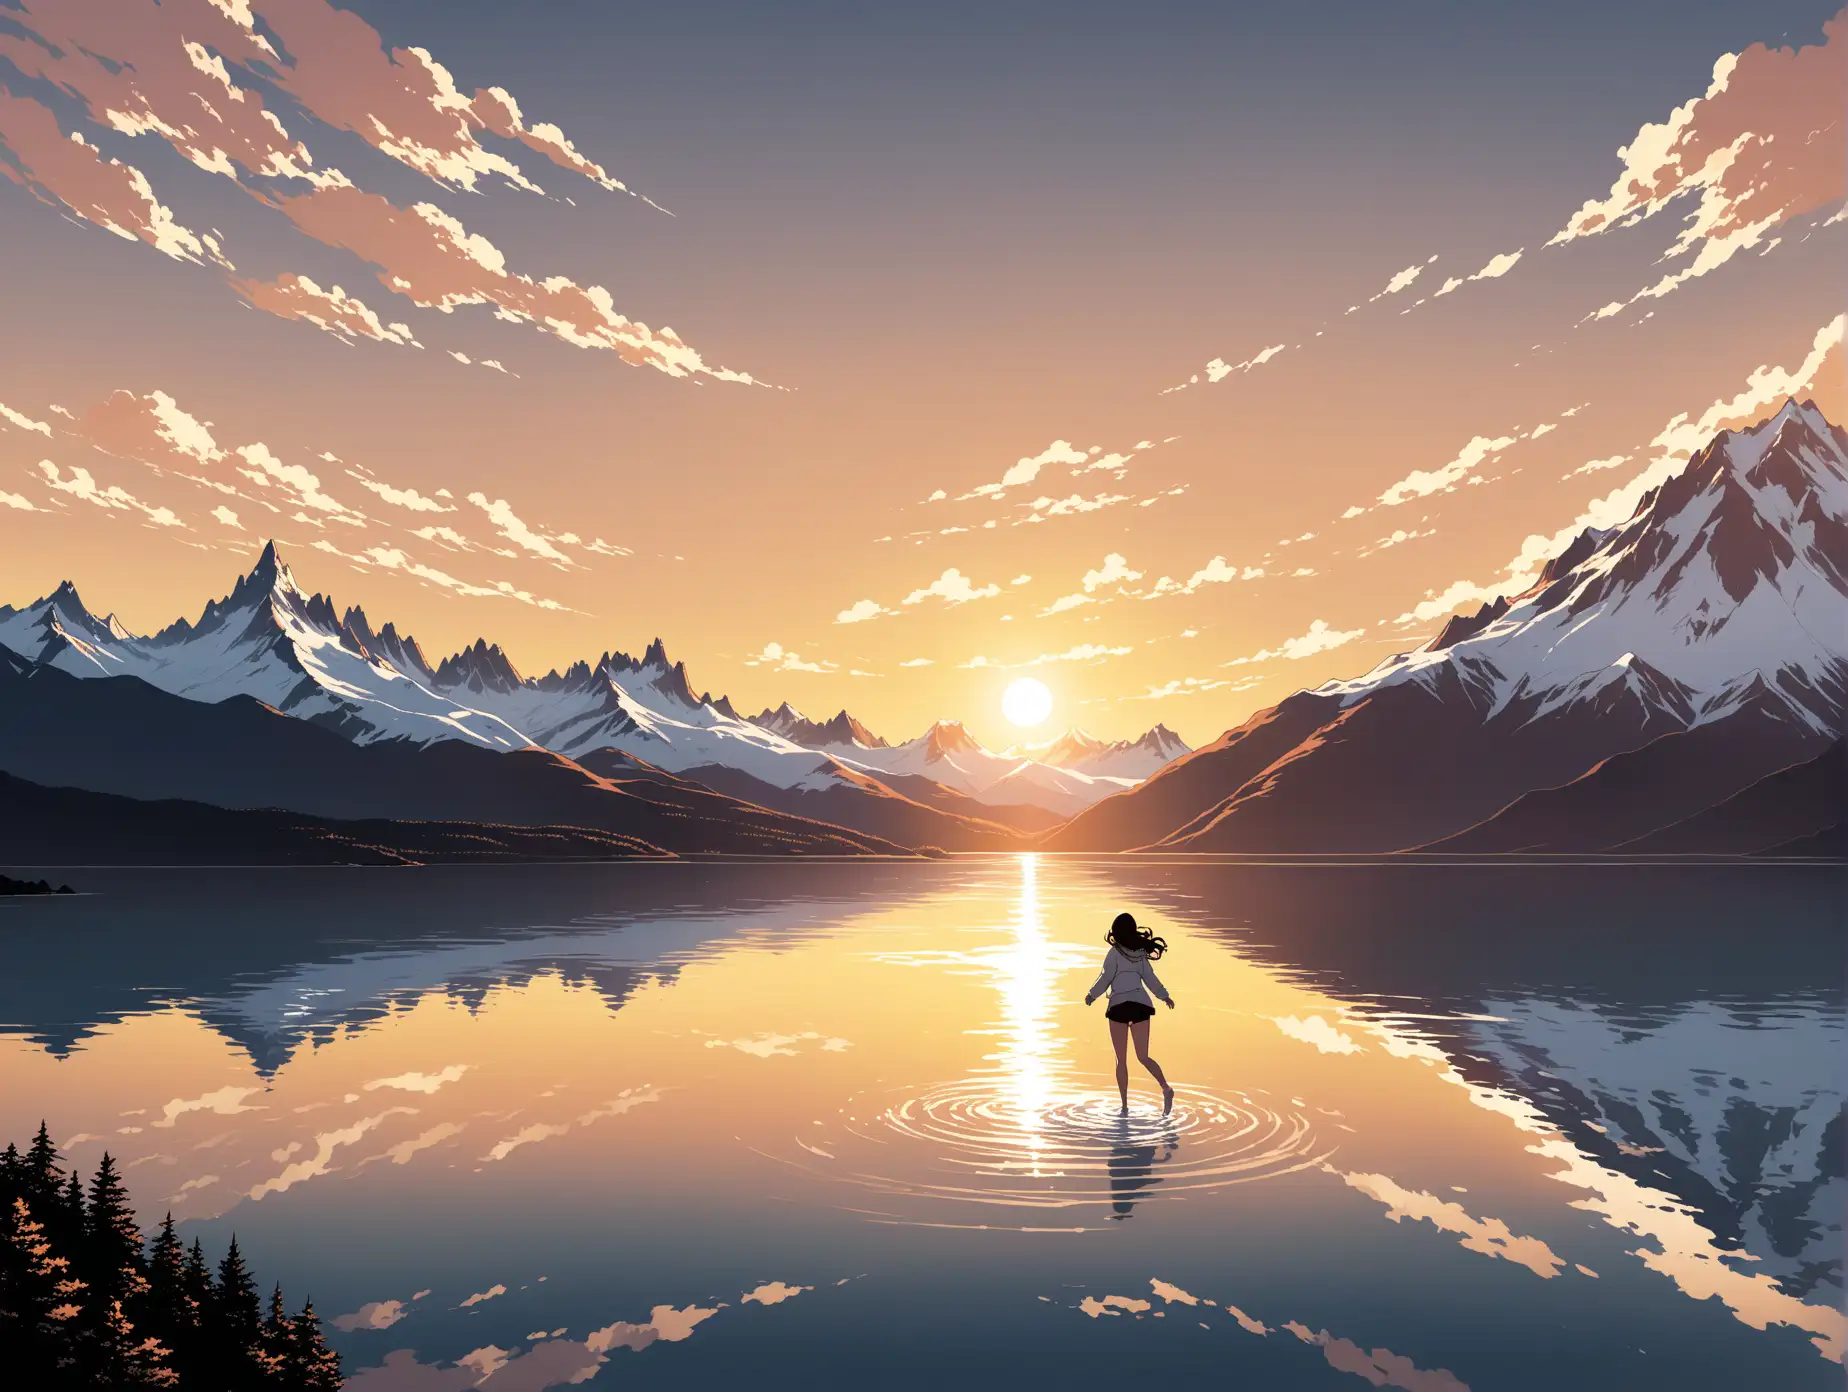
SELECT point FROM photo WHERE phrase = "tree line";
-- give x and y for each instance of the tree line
(86, 1302)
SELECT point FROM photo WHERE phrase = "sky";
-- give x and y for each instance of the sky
(1179, 356)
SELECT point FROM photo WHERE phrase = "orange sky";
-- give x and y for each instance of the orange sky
(925, 284)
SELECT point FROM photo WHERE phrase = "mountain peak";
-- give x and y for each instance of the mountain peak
(479, 667)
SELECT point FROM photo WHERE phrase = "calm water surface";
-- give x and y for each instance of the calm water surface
(832, 1125)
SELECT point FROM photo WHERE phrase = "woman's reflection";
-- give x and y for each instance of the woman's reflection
(1133, 1159)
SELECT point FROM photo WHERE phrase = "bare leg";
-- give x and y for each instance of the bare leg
(1140, 1033)
(1119, 1038)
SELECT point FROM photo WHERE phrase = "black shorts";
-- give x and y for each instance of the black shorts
(1130, 1012)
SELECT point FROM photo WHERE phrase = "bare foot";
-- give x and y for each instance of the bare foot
(1167, 1100)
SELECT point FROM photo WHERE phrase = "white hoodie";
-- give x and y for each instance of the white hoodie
(1123, 975)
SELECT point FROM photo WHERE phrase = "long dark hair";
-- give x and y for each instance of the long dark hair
(1125, 936)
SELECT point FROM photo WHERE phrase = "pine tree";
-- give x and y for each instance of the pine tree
(277, 1342)
(64, 1220)
(112, 1240)
(233, 1331)
(43, 1175)
(166, 1310)
(192, 1339)
(312, 1365)
(12, 1175)
(39, 1302)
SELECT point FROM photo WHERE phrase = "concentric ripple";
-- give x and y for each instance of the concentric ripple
(974, 1141)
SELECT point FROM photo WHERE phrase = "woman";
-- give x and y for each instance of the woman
(1126, 970)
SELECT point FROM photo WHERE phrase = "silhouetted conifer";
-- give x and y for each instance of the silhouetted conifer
(82, 1309)
(312, 1366)
(112, 1241)
(39, 1303)
(44, 1176)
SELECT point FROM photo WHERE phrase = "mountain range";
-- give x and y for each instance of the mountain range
(336, 718)
(1675, 684)
(1655, 669)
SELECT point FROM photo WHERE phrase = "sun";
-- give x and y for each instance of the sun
(1026, 702)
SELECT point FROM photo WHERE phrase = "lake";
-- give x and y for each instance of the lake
(820, 1124)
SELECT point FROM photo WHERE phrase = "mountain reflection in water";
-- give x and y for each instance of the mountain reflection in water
(672, 1116)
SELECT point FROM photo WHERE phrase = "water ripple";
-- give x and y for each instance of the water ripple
(974, 1142)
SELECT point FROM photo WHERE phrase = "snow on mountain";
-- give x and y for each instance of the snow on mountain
(842, 732)
(268, 640)
(1721, 602)
(948, 754)
(1730, 578)
(1082, 752)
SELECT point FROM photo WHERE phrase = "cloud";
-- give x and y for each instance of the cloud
(226, 1101)
(1317, 1031)
(1219, 369)
(24, 422)
(1766, 387)
(401, 1153)
(1401, 280)
(919, 662)
(374, 1314)
(447, 537)
(13, 500)
(1217, 571)
(1187, 686)
(36, 154)
(292, 296)
(953, 587)
(1027, 468)
(1398, 538)
(1114, 571)
(114, 498)
(407, 498)
(860, 611)
(1593, 466)
(325, 1145)
(1762, 145)
(501, 514)
(264, 469)
(1043, 507)
(490, 1293)
(1421, 483)
(1065, 602)
(777, 1045)
(420, 1082)
(392, 558)
(169, 73)
(428, 256)
(1319, 638)
(1490, 1236)
(1080, 652)
(540, 1131)
(774, 655)
(773, 1293)
(154, 430)
(228, 517)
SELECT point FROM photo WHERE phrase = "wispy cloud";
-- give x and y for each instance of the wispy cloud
(1319, 638)
(777, 656)
(861, 610)
(1762, 145)
(113, 497)
(953, 587)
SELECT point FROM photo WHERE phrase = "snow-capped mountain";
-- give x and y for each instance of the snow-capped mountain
(268, 640)
(1083, 752)
(625, 716)
(1721, 605)
(842, 732)
(1729, 579)
(948, 754)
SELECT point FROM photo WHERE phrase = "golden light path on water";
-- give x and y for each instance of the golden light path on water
(1028, 1130)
